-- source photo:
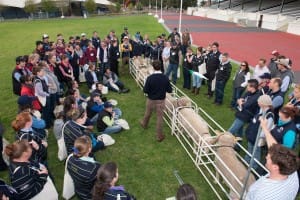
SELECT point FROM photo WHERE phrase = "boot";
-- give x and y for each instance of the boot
(193, 90)
(197, 91)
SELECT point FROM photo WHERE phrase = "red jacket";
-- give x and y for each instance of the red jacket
(29, 91)
(91, 54)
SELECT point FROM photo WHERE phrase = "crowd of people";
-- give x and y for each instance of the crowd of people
(49, 77)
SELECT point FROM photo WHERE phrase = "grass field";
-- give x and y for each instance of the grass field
(145, 166)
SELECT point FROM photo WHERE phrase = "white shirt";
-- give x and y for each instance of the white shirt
(258, 71)
(166, 52)
(267, 189)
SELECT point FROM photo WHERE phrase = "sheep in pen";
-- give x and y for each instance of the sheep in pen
(188, 121)
(232, 170)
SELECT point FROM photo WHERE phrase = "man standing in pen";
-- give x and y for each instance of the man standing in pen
(156, 86)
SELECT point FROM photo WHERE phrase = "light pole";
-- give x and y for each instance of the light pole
(156, 15)
(180, 15)
(149, 13)
(161, 20)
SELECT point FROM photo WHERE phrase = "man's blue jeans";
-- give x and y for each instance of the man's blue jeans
(112, 129)
(237, 127)
(172, 68)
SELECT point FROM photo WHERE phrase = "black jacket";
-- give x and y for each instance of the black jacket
(224, 71)
(249, 108)
(156, 86)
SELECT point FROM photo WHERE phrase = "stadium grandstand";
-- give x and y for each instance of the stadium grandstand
(280, 15)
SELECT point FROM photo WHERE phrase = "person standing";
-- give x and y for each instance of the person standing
(260, 69)
(247, 108)
(174, 59)
(272, 66)
(285, 73)
(114, 55)
(156, 86)
(172, 35)
(212, 64)
(222, 76)
(197, 63)
(186, 67)
(239, 83)
(186, 41)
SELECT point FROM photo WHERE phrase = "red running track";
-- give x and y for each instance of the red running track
(242, 43)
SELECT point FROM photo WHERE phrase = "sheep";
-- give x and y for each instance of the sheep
(194, 124)
(173, 102)
(226, 153)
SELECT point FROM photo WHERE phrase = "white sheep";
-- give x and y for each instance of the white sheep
(227, 154)
(194, 124)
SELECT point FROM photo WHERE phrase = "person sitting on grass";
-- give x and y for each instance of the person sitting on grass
(75, 128)
(83, 168)
(29, 178)
(111, 80)
(106, 120)
(105, 185)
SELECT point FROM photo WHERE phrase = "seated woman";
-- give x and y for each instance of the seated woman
(91, 76)
(22, 125)
(105, 185)
(285, 131)
(111, 80)
(82, 168)
(30, 179)
(75, 128)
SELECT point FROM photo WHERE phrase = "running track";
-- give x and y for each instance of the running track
(242, 43)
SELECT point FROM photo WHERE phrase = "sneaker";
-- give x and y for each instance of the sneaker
(125, 90)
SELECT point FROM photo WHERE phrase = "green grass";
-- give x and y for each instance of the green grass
(145, 166)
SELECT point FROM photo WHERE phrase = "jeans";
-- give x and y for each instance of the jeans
(197, 81)
(219, 91)
(257, 154)
(236, 94)
(172, 68)
(237, 127)
(112, 129)
(118, 83)
(186, 78)
(117, 111)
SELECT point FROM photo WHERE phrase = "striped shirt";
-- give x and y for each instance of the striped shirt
(71, 132)
(26, 180)
(83, 172)
(268, 189)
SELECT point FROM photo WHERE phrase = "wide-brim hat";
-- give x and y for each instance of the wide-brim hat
(284, 62)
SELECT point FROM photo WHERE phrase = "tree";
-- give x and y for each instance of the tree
(48, 6)
(30, 7)
(90, 6)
